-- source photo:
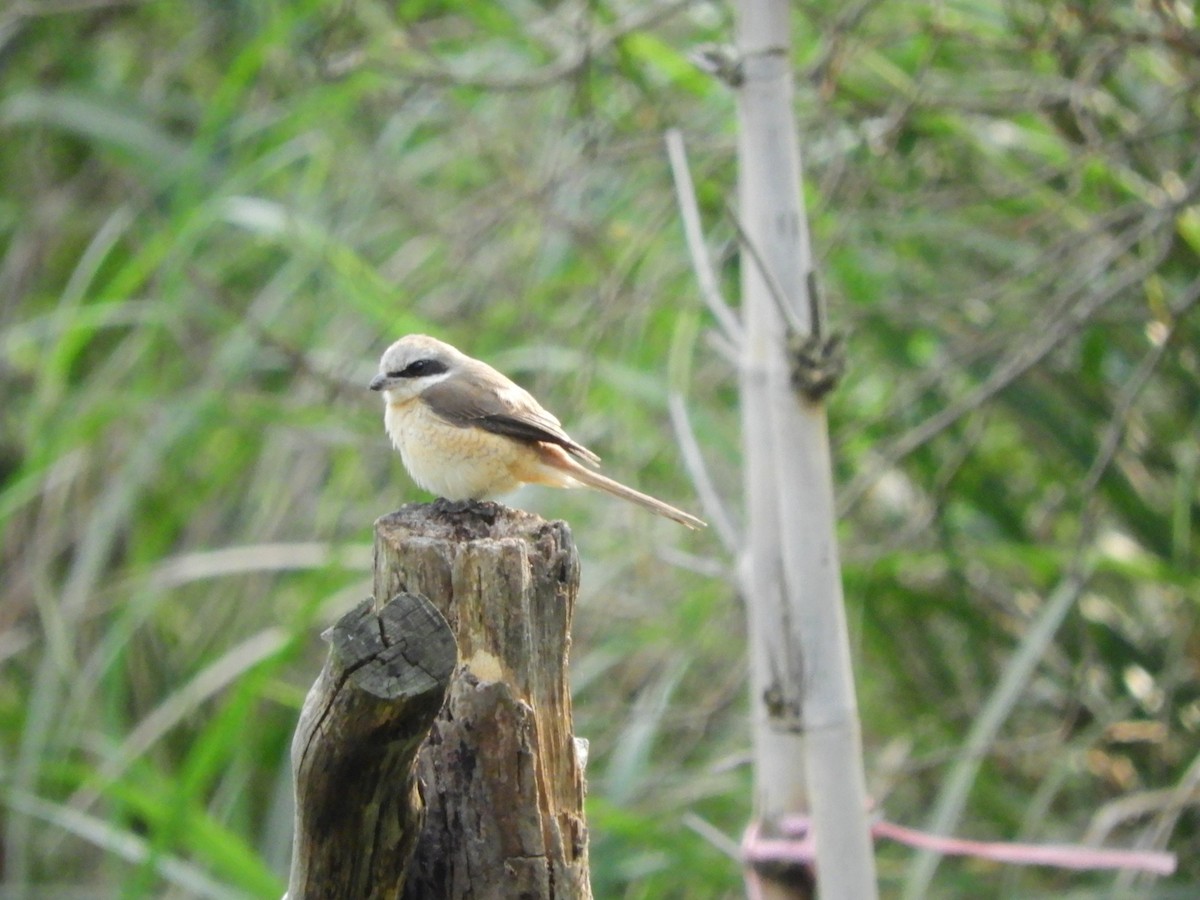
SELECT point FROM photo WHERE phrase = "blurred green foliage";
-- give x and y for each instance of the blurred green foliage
(215, 216)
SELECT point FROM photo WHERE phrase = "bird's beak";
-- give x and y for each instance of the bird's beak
(379, 382)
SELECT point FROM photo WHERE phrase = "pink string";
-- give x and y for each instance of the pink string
(797, 847)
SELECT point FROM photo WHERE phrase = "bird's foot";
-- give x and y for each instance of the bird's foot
(484, 509)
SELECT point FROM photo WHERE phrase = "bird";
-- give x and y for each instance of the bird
(466, 432)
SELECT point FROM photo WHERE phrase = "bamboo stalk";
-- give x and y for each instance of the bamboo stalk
(807, 744)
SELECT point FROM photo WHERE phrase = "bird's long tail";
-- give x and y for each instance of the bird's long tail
(603, 483)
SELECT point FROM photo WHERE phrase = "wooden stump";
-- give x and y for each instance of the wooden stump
(503, 781)
(358, 805)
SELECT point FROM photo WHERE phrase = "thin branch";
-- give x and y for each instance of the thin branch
(1158, 833)
(1039, 346)
(679, 364)
(794, 324)
(723, 347)
(710, 500)
(567, 66)
(1133, 389)
(1003, 700)
(60, 7)
(693, 229)
(1127, 807)
(714, 835)
(704, 566)
(1061, 261)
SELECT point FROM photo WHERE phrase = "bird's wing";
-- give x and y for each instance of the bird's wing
(511, 411)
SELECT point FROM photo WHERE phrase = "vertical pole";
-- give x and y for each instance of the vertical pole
(808, 753)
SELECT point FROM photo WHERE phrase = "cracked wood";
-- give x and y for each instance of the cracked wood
(502, 778)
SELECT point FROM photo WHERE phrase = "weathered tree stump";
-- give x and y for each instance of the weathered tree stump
(358, 804)
(502, 778)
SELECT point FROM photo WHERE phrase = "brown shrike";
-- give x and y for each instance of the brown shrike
(465, 432)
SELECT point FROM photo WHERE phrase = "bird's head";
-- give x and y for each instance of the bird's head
(413, 364)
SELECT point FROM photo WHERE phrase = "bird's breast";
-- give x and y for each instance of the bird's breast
(456, 463)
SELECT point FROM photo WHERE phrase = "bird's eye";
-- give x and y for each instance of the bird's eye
(421, 367)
